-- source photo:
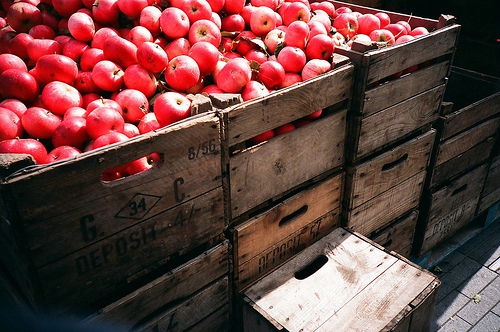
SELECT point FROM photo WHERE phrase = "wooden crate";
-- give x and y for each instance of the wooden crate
(257, 173)
(468, 126)
(385, 110)
(447, 209)
(399, 235)
(343, 282)
(71, 238)
(193, 296)
(266, 241)
(491, 190)
(384, 188)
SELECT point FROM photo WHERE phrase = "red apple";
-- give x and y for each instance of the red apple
(18, 84)
(205, 30)
(71, 131)
(133, 103)
(256, 55)
(56, 67)
(150, 19)
(253, 90)
(105, 12)
(11, 61)
(419, 31)
(90, 57)
(315, 67)
(325, 6)
(16, 43)
(171, 107)
(265, 136)
(290, 79)
(152, 57)
(74, 49)
(59, 96)
(382, 35)
(138, 78)
(75, 112)
(139, 34)
(120, 50)
(104, 120)
(40, 123)
(244, 42)
(283, 129)
(297, 34)
(10, 125)
(232, 23)
(197, 10)
(174, 23)
(296, 11)
(132, 8)
(29, 146)
(22, 16)
(292, 59)
(108, 139)
(67, 7)
(271, 74)
(81, 26)
(262, 20)
(397, 29)
(206, 56)
(104, 102)
(384, 19)
(320, 47)
(367, 23)
(148, 123)
(15, 105)
(101, 35)
(234, 75)
(107, 75)
(233, 6)
(179, 46)
(42, 31)
(61, 153)
(40, 47)
(182, 73)
(216, 5)
(346, 24)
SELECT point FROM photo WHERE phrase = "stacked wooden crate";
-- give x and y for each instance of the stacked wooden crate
(467, 129)
(390, 126)
(73, 241)
(284, 193)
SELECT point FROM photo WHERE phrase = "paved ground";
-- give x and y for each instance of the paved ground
(469, 296)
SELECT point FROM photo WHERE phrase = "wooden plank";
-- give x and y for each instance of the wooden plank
(90, 273)
(457, 192)
(381, 300)
(471, 115)
(393, 123)
(461, 163)
(267, 228)
(178, 284)
(251, 118)
(387, 61)
(386, 207)
(398, 90)
(284, 162)
(386, 170)
(279, 252)
(398, 236)
(464, 141)
(493, 179)
(191, 311)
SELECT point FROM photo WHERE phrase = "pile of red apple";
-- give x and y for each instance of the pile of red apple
(76, 75)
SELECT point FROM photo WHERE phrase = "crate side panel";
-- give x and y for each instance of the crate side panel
(386, 207)
(393, 123)
(286, 105)
(382, 172)
(275, 166)
(100, 268)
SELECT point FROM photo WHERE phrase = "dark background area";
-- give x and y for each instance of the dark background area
(479, 40)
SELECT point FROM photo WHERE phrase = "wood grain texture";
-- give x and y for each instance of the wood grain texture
(371, 178)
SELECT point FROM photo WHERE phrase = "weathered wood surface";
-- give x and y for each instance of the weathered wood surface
(264, 171)
(371, 288)
(371, 178)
